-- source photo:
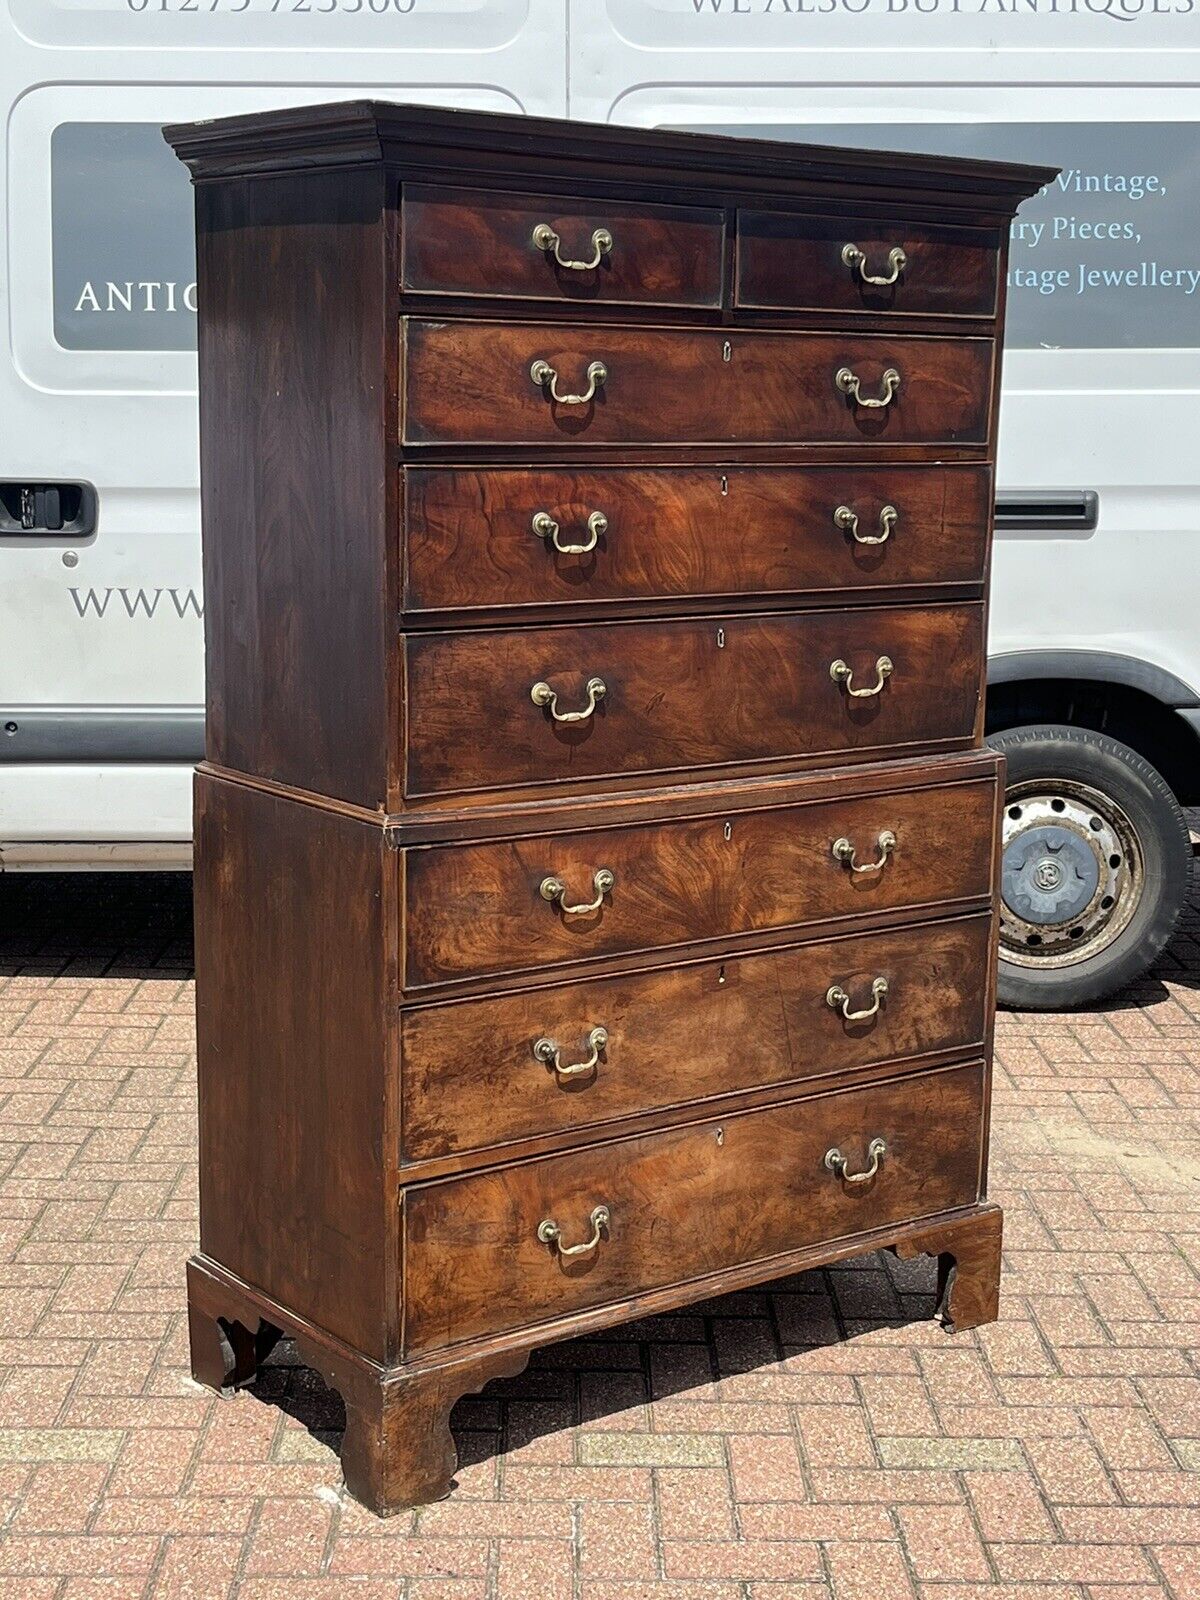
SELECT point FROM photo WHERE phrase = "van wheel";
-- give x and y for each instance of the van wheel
(1096, 867)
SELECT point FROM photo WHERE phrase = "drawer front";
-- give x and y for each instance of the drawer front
(580, 537)
(826, 263)
(485, 1072)
(682, 1203)
(670, 696)
(475, 383)
(545, 247)
(478, 910)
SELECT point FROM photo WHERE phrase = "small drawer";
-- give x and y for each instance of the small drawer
(547, 247)
(516, 706)
(530, 903)
(488, 1253)
(531, 384)
(853, 264)
(568, 1059)
(587, 536)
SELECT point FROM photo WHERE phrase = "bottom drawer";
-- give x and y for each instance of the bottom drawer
(485, 1254)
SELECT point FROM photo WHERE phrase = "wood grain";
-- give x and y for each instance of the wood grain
(469, 383)
(713, 692)
(968, 1252)
(683, 1203)
(475, 909)
(784, 260)
(470, 1078)
(687, 533)
(293, 983)
(479, 242)
(300, 578)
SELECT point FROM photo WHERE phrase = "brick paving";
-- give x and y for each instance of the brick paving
(820, 1438)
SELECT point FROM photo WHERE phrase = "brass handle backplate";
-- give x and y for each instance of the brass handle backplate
(837, 1163)
(854, 257)
(545, 238)
(844, 852)
(550, 1052)
(839, 1000)
(543, 695)
(549, 1232)
(546, 377)
(847, 520)
(841, 673)
(545, 527)
(850, 383)
(554, 889)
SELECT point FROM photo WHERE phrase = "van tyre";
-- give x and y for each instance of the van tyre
(1096, 867)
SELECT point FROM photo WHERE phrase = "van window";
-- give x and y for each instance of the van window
(124, 246)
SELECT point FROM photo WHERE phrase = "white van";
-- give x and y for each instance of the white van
(1095, 648)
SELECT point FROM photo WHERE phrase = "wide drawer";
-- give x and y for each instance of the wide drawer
(482, 1254)
(545, 247)
(828, 263)
(489, 710)
(582, 536)
(481, 910)
(571, 1057)
(496, 383)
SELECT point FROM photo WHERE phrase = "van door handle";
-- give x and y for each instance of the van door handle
(34, 508)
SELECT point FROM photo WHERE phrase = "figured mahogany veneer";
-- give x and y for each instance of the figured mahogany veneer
(471, 383)
(473, 1077)
(682, 1203)
(786, 261)
(691, 880)
(472, 547)
(596, 864)
(713, 692)
(472, 242)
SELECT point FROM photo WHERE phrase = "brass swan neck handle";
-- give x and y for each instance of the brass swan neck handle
(546, 239)
(850, 383)
(546, 378)
(838, 999)
(847, 519)
(543, 695)
(841, 673)
(839, 1166)
(844, 852)
(549, 1051)
(897, 261)
(555, 890)
(549, 1232)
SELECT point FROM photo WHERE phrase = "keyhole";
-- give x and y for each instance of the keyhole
(720, 1136)
(727, 352)
(724, 484)
(720, 638)
(721, 975)
(728, 836)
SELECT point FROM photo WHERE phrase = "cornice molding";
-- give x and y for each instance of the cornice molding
(483, 148)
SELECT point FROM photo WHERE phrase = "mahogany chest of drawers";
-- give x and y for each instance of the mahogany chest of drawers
(595, 852)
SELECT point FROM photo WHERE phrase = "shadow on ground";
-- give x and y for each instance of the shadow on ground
(96, 924)
(603, 1382)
